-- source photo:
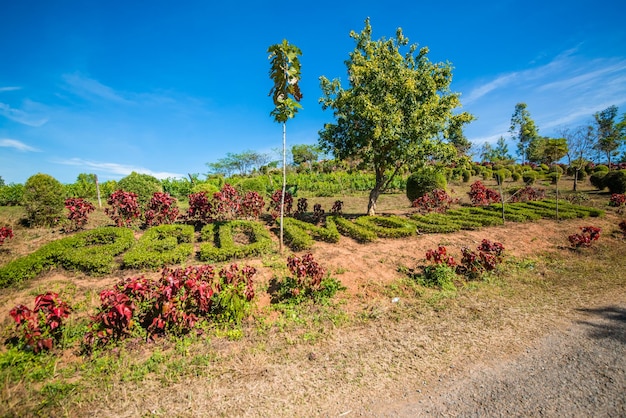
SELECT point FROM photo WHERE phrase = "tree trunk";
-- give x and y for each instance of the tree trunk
(375, 193)
(576, 180)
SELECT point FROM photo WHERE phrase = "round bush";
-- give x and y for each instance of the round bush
(529, 177)
(424, 181)
(615, 181)
(597, 180)
(209, 188)
(601, 169)
(143, 185)
(467, 175)
(516, 176)
(254, 184)
(44, 200)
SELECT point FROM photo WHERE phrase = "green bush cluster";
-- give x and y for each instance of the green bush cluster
(424, 181)
(387, 226)
(299, 234)
(91, 252)
(159, 246)
(143, 185)
(43, 200)
(355, 231)
(219, 244)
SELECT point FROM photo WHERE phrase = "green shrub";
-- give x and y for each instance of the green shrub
(501, 175)
(438, 275)
(11, 194)
(219, 242)
(424, 181)
(44, 200)
(299, 234)
(516, 176)
(554, 177)
(387, 226)
(253, 184)
(615, 181)
(601, 168)
(529, 177)
(353, 230)
(467, 175)
(487, 174)
(143, 185)
(159, 246)
(597, 180)
(209, 188)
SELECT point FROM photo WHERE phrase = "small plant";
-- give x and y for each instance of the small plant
(40, 328)
(5, 233)
(79, 210)
(436, 201)
(308, 280)
(337, 207)
(225, 205)
(200, 208)
(318, 213)
(481, 195)
(161, 209)
(303, 205)
(588, 235)
(124, 208)
(618, 201)
(274, 205)
(528, 194)
(440, 256)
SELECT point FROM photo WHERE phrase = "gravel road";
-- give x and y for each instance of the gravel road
(578, 371)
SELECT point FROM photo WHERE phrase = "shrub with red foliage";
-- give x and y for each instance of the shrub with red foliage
(124, 208)
(528, 194)
(274, 205)
(481, 195)
(40, 328)
(435, 201)
(79, 210)
(618, 201)
(225, 205)
(337, 207)
(200, 208)
(588, 235)
(161, 209)
(5, 232)
(440, 256)
(308, 273)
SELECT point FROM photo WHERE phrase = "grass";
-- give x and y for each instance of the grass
(309, 358)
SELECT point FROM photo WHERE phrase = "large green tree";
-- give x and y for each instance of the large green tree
(579, 146)
(395, 111)
(243, 163)
(523, 130)
(610, 134)
(304, 153)
(499, 153)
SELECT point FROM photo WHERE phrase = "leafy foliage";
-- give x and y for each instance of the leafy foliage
(436, 201)
(43, 200)
(481, 195)
(528, 194)
(586, 238)
(40, 328)
(220, 243)
(144, 186)
(5, 232)
(227, 204)
(424, 181)
(124, 208)
(161, 209)
(78, 212)
(275, 200)
(159, 246)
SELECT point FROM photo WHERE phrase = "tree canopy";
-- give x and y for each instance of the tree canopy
(523, 130)
(241, 163)
(610, 134)
(395, 112)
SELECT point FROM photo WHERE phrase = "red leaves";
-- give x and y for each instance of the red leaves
(41, 327)
(437, 200)
(439, 256)
(124, 208)
(307, 271)
(274, 205)
(482, 196)
(472, 264)
(5, 232)
(588, 235)
(161, 209)
(618, 201)
(528, 194)
(226, 204)
(79, 210)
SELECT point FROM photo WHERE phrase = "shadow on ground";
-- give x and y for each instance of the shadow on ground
(611, 324)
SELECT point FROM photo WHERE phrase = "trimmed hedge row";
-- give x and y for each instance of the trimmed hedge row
(161, 245)
(220, 245)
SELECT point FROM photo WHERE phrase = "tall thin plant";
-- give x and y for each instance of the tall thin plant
(285, 73)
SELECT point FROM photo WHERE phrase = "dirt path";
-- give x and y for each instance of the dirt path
(576, 371)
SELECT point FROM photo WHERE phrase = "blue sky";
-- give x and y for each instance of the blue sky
(164, 87)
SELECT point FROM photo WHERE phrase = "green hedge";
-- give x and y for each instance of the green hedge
(387, 226)
(353, 230)
(219, 244)
(159, 246)
(299, 234)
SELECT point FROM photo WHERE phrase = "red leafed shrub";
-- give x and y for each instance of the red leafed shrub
(200, 208)
(318, 212)
(440, 256)
(308, 273)
(173, 304)
(5, 232)
(482, 196)
(436, 201)
(474, 264)
(79, 210)
(161, 209)
(618, 201)
(124, 208)
(528, 194)
(274, 205)
(337, 207)
(40, 328)
(302, 206)
(588, 235)
(227, 204)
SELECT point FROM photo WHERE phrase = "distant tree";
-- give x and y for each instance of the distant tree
(523, 130)
(43, 199)
(395, 111)
(1, 182)
(84, 186)
(496, 154)
(610, 134)
(143, 185)
(455, 135)
(242, 163)
(579, 145)
(305, 154)
(286, 95)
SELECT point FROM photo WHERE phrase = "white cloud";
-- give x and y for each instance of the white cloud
(18, 145)
(116, 169)
(21, 116)
(9, 88)
(89, 88)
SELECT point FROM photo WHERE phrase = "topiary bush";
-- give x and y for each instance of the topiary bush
(615, 181)
(43, 200)
(597, 180)
(143, 185)
(424, 181)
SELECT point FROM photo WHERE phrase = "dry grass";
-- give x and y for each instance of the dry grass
(352, 357)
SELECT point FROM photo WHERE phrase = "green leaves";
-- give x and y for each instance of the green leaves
(285, 73)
